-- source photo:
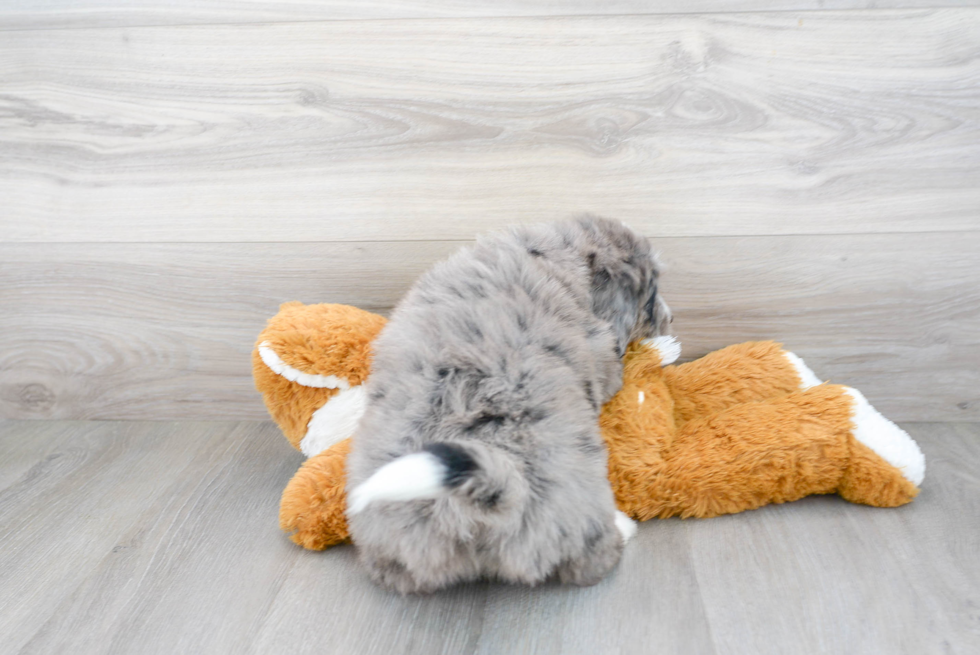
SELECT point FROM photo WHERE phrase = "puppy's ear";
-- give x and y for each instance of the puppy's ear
(662, 315)
(657, 312)
(650, 306)
(613, 300)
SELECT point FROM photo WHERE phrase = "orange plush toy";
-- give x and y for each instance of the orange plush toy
(739, 428)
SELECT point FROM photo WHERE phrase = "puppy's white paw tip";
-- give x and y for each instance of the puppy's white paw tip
(626, 526)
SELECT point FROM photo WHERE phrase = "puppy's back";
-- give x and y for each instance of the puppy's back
(483, 402)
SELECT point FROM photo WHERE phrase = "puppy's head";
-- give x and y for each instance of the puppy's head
(625, 273)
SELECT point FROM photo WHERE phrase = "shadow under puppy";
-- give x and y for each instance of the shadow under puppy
(479, 453)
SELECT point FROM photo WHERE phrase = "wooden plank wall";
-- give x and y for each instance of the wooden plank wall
(169, 175)
(35, 14)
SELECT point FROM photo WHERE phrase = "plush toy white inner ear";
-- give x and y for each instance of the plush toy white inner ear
(335, 421)
(273, 361)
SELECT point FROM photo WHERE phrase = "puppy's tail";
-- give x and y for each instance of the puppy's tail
(477, 472)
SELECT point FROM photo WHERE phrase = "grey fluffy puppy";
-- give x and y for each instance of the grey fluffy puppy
(479, 453)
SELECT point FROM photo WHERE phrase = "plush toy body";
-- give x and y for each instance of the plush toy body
(739, 428)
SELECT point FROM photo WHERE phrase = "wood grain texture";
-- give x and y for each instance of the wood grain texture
(33, 443)
(786, 566)
(162, 538)
(737, 124)
(652, 604)
(164, 331)
(62, 14)
(100, 481)
(204, 555)
(140, 497)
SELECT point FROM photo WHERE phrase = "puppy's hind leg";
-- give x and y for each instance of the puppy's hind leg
(390, 573)
(603, 549)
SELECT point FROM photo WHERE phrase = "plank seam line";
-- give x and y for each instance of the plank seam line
(812, 11)
(465, 241)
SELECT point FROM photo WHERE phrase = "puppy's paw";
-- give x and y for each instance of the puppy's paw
(625, 525)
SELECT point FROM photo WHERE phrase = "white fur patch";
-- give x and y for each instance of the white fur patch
(889, 441)
(668, 347)
(807, 377)
(640, 397)
(336, 420)
(280, 367)
(419, 475)
(626, 526)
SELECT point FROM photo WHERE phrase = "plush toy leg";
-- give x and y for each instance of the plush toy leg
(749, 455)
(870, 480)
(816, 441)
(886, 465)
(313, 503)
(746, 372)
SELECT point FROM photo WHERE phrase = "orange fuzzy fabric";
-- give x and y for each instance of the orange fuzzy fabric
(870, 480)
(313, 503)
(728, 432)
(732, 431)
(315, 339)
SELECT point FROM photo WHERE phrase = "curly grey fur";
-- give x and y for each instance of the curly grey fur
(507, 350)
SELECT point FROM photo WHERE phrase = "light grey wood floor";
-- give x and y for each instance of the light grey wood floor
(128, 537)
